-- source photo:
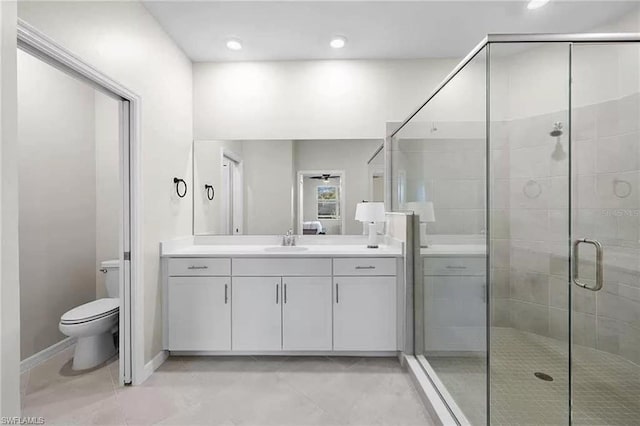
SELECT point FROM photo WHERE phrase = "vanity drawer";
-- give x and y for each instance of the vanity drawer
(364, 266)
(199, 266)
(455, 266)
(260, 267)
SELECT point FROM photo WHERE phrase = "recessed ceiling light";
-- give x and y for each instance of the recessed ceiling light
(338, 42)
(535, 4)
(234, 44)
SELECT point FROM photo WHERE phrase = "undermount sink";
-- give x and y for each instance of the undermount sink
(285, 249)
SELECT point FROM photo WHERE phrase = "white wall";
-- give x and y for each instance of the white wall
(309, 99)
(122, 40)
(9, 281)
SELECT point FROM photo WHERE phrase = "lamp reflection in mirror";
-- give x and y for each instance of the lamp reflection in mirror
(371, 213)
(424, 211)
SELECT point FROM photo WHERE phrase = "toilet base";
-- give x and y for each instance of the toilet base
(92, 351)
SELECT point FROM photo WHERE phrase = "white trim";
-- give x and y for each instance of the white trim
(442, 390)
(430, 397)
(48, 50)
(362, 354)
(237, 219)
(343, 204)
(153, 365)
(388, 169)
(46, 354)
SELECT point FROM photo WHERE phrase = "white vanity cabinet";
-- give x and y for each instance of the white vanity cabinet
(455, 303)
(306, 314)
(257, 314)
(281, 304)
(288, 313)
(364, 312)
(198, 307)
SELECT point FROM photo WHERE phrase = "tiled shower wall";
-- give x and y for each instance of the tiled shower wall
(530, 225)
(448, 172)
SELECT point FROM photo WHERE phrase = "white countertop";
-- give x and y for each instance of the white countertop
(435, 250)
(312, 250)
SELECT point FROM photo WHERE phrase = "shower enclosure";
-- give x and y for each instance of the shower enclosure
(524, 169)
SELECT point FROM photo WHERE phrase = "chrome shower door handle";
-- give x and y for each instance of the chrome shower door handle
(599, 266)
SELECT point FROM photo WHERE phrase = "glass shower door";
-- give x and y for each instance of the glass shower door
(529, 234)
(605, 293)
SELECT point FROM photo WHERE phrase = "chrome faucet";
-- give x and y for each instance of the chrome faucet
(289, 239)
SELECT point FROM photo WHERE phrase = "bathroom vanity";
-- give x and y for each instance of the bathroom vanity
(454, 296)
(263, 298)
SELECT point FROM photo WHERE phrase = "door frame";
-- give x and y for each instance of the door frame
(237, 192)
(343, 204)
(131, 334)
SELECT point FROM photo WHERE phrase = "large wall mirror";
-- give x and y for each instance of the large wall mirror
(266, 187)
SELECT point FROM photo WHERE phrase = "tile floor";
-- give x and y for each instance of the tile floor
(229, 391)
(606, 387)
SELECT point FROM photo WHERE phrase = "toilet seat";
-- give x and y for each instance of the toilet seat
(91, 311)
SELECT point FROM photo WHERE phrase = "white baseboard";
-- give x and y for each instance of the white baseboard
(152, 366)
(363, 354)
(46, 354)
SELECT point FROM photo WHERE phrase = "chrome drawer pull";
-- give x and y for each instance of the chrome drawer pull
(226, 294)
(198, 267)
(456, 267)
(365, 267)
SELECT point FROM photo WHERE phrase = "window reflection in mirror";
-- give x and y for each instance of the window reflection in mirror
(266, 187)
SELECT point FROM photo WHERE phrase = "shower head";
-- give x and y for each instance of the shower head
(557, 129)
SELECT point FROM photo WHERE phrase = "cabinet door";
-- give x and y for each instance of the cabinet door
(455, 313)
(257, 315)
(306, 313)
(199, 314)
(364, 314)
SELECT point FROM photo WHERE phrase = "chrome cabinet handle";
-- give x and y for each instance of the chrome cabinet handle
(277, 293)
(226, 294)
(285, 292)
(198, 267)
(576, 264)
(337, 293)
(456, 267)
(365, 267)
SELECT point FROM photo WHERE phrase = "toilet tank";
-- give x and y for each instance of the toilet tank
(112, 277)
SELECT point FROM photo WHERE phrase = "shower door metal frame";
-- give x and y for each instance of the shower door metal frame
(38, 44)
(571, 40)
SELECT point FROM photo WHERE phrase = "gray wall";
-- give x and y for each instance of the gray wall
(268, 184)
(61, 170)
(268, 180)
(448, 171)
(350, 156)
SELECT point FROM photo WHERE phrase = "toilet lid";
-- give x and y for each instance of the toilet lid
(92, 310)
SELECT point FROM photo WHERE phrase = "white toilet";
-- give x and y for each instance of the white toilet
(94, 323)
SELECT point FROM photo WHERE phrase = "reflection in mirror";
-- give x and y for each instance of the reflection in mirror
(376, 175)
(266, 187)
(320, 211)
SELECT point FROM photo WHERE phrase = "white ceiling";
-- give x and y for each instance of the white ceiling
(290, 30)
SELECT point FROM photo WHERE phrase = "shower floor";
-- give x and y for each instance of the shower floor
(605, 386)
